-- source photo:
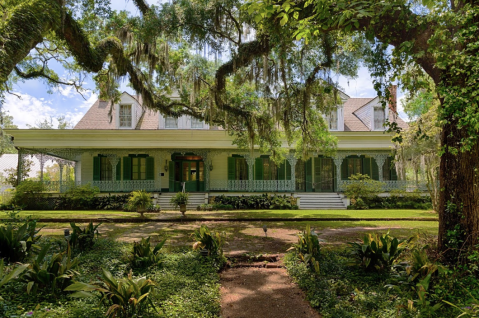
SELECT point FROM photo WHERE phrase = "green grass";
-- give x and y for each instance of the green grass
(239, 214)
(317, 214)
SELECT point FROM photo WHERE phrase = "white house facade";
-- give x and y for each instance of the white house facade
(125, 147)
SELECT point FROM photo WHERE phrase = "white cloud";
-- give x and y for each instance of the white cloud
(89, 101)
(27, 109)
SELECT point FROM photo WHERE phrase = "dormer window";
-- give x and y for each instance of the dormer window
(333, 120)
(125, 116)
(196, 123)
(171, 122)
(379, 118)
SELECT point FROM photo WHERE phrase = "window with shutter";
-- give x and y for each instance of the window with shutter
(105, 169)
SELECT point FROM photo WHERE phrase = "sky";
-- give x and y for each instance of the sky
(33, 103)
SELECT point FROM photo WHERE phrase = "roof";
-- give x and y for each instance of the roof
(97, 117)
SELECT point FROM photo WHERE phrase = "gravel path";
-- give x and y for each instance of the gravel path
(262, 293)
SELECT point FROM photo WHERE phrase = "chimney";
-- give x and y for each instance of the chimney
(393, 98)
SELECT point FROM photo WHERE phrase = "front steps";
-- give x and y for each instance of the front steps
(320, 201)
(195, 199)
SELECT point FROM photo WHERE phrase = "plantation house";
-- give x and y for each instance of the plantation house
(134, 148)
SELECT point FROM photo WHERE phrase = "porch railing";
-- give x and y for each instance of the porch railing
(390, 185)
(104, 186)
(254, 185)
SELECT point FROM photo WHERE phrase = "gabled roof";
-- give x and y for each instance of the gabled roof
(97, 117)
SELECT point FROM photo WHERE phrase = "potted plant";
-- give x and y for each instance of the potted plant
(180, 200)
(140, 200)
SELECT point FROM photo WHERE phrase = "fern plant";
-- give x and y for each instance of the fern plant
(140, 200)
(126, 297)
(5, 277)
(143, 255)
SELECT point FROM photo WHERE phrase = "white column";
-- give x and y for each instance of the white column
(338, 160)
(380, 159)
(292, 162)
(114, 162)
(60, 165)
(250, 161)
(20, 164)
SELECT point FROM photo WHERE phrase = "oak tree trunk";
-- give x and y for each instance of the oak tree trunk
(459, 195)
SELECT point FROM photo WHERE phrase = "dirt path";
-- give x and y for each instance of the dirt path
(262, 292)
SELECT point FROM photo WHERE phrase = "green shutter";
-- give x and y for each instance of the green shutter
(375, 169)
(150, 168)
(171, 176)
(288, 170)
(317, 173)
(126, 168)
(96, 168)
(258, 169)
(118, 170)
(309, 175)
(344, 169)
(231, 168)
(394, 175)
(282, 171)
(366, 166)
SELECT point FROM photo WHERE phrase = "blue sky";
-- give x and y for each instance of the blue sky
(36, 104)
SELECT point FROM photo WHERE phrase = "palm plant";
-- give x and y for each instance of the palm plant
(140, 200)
(126, 297)
(180, 200)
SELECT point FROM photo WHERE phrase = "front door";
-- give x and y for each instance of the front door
(190, 171)
(327, 175)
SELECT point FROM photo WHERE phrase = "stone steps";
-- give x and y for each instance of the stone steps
(195, 199)
(320, 201)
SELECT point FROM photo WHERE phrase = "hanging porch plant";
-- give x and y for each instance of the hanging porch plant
(180, 200)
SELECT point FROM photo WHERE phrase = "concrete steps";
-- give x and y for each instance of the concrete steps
(195, 199)
(320, 201)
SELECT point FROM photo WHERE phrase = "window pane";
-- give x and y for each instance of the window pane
(196, 123)
(105, 169)
(241, 169)
(201, 171)
(387, 170)
(266, 166)
(171, 122)
(378, 118)
(125, 115)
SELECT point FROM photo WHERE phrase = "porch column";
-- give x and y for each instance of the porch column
(250, 161)
(292, 162)
(42, 164)
(207, 166)
(20, 165)
(338, 160)
(60, 165)
(113, 161)
(380, 160)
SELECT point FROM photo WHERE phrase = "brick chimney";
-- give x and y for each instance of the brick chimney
(393, 98)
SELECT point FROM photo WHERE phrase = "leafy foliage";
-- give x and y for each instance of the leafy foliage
(362, 187)
(140, 201)
(80, 197)
(50, 273)
(209, 240)
(126, 297)
(308, 248)
(263, 201)
(29, 195)
(179, 199)
(5, 277)
(143, 255)
(16, 242)
(83, 239)
(378, 252)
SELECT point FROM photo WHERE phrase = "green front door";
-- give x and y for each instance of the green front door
(191, 173)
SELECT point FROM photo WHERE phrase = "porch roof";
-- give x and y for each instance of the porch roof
(167, 139)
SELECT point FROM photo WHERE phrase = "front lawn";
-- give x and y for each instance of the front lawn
(237, 214)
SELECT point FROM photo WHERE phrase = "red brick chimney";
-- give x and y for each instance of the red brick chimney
(393, 98)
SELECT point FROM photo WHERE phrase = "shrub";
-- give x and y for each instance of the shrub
(263, 201)
(16, 242)
(83, 239)
(29, 195)
(140, 200)
(399, 202)
(211, 241)
(143, 255)
(219, 206)
(363, 187)
(308, 248)
(126, 297)
(378, 252)
(53, 273)
(80, 197)
(205, 207)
